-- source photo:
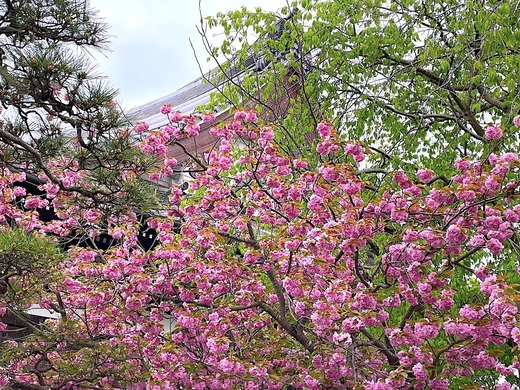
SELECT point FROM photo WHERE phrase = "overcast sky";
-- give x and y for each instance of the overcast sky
(150, 53)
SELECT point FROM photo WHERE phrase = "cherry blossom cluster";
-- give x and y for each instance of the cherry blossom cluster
(287, 271)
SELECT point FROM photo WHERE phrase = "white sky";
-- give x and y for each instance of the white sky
(150, 52)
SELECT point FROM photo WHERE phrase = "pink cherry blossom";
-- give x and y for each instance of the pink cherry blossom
(166, 109)
(493, 132)
(425, 175)
(324, 129)
(208, 117)
(141, 127)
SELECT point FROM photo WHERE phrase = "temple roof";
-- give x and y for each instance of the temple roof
(193, 94)
(185, 100)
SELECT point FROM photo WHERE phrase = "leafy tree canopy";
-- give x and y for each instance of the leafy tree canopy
(416, 80)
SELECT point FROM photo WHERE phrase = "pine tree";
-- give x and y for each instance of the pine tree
(56, 106)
